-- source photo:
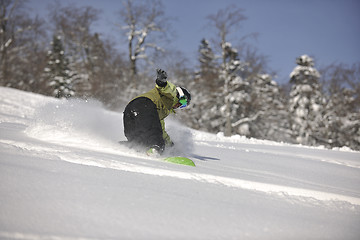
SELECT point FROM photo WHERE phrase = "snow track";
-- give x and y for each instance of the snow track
(76, 157)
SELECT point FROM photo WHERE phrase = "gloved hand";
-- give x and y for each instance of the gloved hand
(161, 78)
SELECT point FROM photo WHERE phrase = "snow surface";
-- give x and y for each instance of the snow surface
(64, 176)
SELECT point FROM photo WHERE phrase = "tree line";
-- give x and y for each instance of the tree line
(233, 88)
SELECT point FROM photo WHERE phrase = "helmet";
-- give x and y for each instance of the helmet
(184, 96)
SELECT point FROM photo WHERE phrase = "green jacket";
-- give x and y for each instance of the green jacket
(164, 98)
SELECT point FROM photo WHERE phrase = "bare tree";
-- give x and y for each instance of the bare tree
(8, 29)
(337, 77)
(342, 110)
(20, 38)
(143, 22)
(226, 21)
(74, 24)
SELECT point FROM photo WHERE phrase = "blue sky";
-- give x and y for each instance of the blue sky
(328, 30)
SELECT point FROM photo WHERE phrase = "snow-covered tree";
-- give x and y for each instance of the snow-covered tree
(306, 103)
(208, 67)
(267, 116)
(204, 88)
(60, 76)
(235, 89)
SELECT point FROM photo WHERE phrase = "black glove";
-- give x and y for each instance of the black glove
(161, 78)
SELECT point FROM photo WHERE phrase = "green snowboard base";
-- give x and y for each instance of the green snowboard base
(180, 160)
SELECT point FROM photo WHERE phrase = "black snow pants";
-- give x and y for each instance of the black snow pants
(142, 124)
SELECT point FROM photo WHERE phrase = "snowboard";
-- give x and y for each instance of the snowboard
(180, 160)
(173, 159)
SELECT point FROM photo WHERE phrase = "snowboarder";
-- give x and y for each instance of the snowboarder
(144, 115)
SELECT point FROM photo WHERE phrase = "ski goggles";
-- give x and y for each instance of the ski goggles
(183, 101)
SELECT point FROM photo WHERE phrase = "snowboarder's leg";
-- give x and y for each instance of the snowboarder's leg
(142, 124)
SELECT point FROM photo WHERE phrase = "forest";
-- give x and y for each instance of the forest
(233, 89)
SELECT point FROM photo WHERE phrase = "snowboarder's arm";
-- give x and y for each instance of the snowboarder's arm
(165, 88)
(168, 91)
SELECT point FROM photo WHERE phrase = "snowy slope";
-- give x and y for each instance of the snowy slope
(64, 176)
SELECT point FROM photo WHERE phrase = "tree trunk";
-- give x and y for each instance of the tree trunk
(228, 127)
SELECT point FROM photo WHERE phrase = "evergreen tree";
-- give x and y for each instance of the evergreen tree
(204, 89)
(60, 76)
(221, 91)
(342, 123)
(208, 72)
(97, 67)
(266, 116)
(306, 102)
